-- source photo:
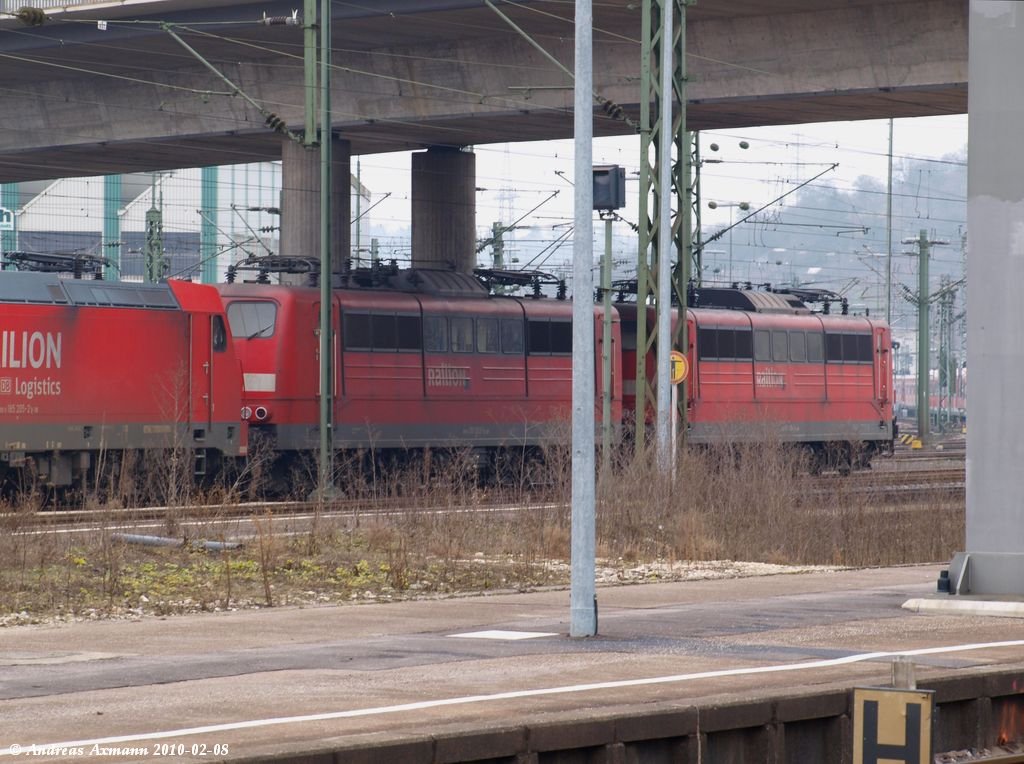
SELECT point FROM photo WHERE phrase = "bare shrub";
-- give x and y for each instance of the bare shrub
(424, 524)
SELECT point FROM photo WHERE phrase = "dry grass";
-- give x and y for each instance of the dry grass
(752, 503)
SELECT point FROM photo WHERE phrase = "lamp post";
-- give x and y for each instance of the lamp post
(743, 206)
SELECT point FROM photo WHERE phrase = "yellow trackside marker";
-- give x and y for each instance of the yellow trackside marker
(679, 367)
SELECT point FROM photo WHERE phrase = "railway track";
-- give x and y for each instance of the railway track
(951, 477)
(881, 488)
(909, 475)
(193, 520)
(999, 755)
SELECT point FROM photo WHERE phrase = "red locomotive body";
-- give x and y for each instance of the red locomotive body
(764, 367)
(420, 358)
(429, 359)
(91, 368)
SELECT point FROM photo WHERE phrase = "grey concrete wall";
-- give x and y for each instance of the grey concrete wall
(995, 275)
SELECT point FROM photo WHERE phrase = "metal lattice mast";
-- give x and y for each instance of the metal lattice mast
(651, 190)
(693, 188)
(154, 262)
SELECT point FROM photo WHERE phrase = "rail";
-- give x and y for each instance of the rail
(986, 756)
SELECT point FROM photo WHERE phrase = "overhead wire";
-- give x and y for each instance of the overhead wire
(409, 81)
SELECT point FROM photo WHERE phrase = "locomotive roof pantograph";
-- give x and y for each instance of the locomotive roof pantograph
(77, 264)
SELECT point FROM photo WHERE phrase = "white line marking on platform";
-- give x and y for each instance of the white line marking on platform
(502, 634)
(15, 750)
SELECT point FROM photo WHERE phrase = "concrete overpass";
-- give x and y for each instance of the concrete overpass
(79, 100)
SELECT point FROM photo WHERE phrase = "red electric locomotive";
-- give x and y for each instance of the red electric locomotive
(89, 369)
(764, 367)
(422, 359)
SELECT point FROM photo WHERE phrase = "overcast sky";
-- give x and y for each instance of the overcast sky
(514, 178)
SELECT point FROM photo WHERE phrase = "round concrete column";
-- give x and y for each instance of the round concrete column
(300, 201)
(444, 209)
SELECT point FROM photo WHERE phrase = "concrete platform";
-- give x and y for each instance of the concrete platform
(254, 684)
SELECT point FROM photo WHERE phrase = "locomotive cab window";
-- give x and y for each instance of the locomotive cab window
(780, 346)
(815, 347)
(848, 348)
(798, 347)
(550, 337)
(724, 344)
(540, 338)
(382, 332)
(385, 334)
(744, 348)
(462, 334)
(512, 335)
(252, 320)
(435, 334)
(357, 331)
(487, 335)
(707, 343)
(628, 329)
(561, 337)
(218, 334)
(762, 345)
(409, 333)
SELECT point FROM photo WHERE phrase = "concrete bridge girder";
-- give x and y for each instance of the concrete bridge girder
(826, 62)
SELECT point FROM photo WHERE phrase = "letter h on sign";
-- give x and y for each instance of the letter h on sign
(892, 726)
(874, 751)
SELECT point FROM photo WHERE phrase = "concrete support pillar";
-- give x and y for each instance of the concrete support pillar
(994, 560)
(444, 209)
(300, 201)
(112, 226)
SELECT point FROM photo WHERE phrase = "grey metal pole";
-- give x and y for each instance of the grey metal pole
(326, 302)
(888, 218)
(309, 137)
(583, 602)
(923, 398)
(663, 414)
(359, 205)
(606, 348)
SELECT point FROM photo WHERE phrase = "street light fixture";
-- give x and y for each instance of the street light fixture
(743, 206)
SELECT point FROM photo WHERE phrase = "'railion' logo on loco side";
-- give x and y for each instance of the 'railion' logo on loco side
(447, 376)
(770, 378)
(30, 350)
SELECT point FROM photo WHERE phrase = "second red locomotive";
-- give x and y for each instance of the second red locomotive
(421, 358)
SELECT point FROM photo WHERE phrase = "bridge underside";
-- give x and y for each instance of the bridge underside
(85, 102)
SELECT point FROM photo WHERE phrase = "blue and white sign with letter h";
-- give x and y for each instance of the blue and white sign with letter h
(6, 219)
